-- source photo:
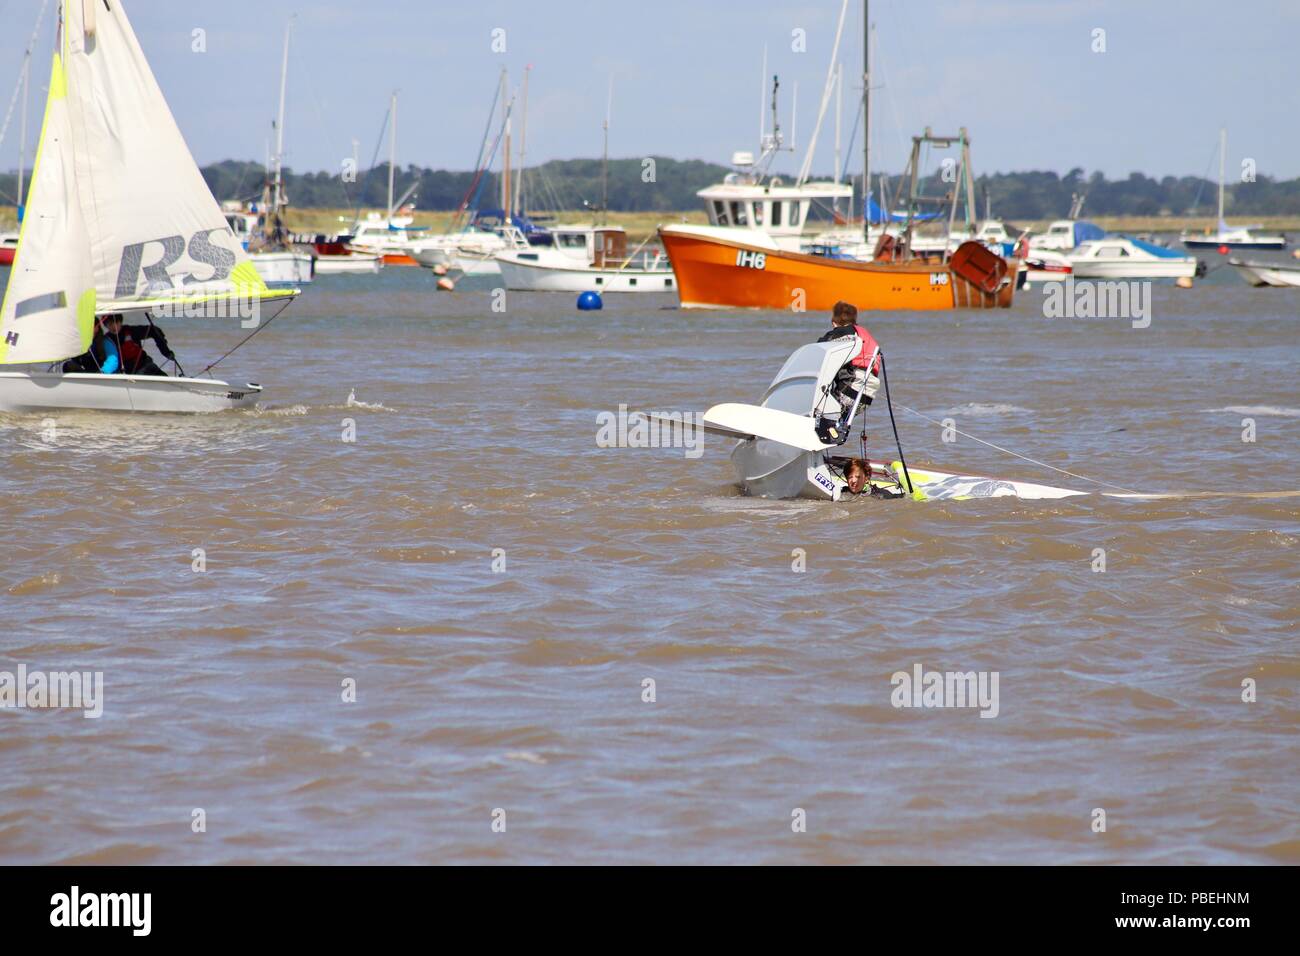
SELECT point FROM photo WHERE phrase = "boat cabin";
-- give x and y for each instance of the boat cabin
(778, 210)
(598, 246)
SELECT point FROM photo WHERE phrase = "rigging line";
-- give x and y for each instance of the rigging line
(260, 327)
(374, 158)
(1032, 461)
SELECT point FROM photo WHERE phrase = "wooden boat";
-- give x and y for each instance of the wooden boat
(728, 268)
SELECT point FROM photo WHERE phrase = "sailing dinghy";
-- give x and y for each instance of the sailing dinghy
(779, 453)
(118, 220)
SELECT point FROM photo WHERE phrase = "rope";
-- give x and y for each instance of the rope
(1032, 461)
(263, 325)
(889, 402)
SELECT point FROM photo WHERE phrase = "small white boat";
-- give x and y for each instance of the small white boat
(1044, 265)
(348, 263)
(47, 391)
(1233, 237)
(1225, 236)
(1268, 273)
(148, 239)
(1119, 257)
(1064, 235)
(583, 258)
(471, 252)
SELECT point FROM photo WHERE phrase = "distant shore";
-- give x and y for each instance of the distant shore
(641, 226)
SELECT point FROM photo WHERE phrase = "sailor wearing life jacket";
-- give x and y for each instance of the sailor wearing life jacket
(858, 374)
(130, 340)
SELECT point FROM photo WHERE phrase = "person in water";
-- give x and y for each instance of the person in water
(856, 473)
(858, 374)
(130, 340)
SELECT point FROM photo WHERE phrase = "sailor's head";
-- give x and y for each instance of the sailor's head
(844, 313)
(855, 473)
(111, 322)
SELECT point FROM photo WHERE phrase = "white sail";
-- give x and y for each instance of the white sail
(119, 216)
(48, 311)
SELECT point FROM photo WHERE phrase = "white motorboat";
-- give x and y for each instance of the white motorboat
(1119, 257)
(149, 238)
(583, 258)
(1230, 237)
(471, 252)
(1064, 235)
(1268, 273)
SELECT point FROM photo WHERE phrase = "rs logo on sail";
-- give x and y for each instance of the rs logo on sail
(200, 249)
(748, 259)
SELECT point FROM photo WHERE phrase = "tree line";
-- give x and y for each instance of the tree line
(664, 184)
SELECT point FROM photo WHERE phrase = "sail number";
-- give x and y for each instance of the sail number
(747, 259)
(938, 278)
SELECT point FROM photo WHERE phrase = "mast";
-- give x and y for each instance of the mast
(22, 138)
(839, 108)
(503, 186)
(866, 122)
(1223, 152)
(604, 163)
(278, 195)
(523, 137)
(392, 152)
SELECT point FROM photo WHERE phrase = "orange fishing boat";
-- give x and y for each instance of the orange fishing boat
(719, 268)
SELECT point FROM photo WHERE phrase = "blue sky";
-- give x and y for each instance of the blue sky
(1020, 75)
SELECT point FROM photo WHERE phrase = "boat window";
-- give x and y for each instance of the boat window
(571, 240)
(720, 213)
(1113, 251)
(1058, 230)
(758, 214)
(776, 213)
(738, 214)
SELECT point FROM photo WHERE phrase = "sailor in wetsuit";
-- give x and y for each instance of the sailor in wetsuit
(857, 375)
(120, 348)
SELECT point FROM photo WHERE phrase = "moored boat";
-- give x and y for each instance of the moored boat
(581, 259)
(1267, 273)
(1120, 257)
(1230, 237)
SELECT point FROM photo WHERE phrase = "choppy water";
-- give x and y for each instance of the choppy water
(522, 690)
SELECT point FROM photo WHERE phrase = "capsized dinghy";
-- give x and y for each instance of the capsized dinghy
(118, 220)
(779, 454)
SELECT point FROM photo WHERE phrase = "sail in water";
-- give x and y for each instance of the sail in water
(118, 217)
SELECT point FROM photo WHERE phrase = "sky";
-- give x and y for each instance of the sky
(1024, 77)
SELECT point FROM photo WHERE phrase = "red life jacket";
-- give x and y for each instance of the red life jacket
(869, 348)
(130, 351)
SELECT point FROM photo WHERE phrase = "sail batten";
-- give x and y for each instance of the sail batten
(119, 216)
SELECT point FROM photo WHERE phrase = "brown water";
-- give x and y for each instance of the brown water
(522, 690)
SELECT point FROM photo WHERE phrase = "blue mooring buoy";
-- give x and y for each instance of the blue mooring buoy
(588, 301)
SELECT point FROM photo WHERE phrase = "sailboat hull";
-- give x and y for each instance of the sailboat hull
(48, 391)
(716, 271)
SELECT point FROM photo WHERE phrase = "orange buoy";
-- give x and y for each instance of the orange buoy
(1223, 250)
(446, 285)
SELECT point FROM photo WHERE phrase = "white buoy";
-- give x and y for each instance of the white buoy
(1183, 282)
(440, 270)
(446, 285)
